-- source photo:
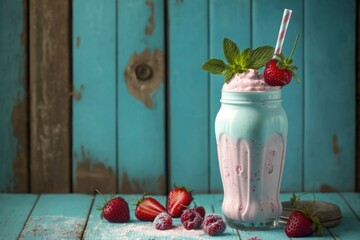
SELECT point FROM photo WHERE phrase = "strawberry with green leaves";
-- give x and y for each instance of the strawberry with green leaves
(238, 61)
(301, 224)
(116, 209)
(280, 70)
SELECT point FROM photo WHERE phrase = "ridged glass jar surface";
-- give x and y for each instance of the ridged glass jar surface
(251, 133)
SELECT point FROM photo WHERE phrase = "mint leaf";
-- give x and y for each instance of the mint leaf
(260, 56)
(215, 66)
(231, 51)
(244, 58)
(228, 73)
(228, 76)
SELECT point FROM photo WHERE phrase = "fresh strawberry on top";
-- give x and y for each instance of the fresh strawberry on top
(115, 210)
(279, 71)
(179, 199)
(275, 76)
(147, 208)
(301, 224)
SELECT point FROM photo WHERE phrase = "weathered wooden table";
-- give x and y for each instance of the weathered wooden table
(74, 216)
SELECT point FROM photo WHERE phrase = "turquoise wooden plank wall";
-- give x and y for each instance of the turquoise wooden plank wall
(94, 108)
(13, 97)
(143, 110)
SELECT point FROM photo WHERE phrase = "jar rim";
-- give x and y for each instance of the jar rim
(251, 96)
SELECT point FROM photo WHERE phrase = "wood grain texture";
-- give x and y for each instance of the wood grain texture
(266, 23)
(14, 212)
(188, 91)
(119, 124)
(353, 201)
(141, 102)
(329, 128)
(58, 216)
(236, 27)
(49, 95)
(14, 154)
(94, 96)
(74, 216)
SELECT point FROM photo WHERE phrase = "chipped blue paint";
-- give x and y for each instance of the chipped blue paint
(11, 87)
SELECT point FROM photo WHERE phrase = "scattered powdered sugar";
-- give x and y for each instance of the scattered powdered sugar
(250, 80)
(53, 227)
(143, 230)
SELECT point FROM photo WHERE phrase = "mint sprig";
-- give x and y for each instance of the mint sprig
(238, 61)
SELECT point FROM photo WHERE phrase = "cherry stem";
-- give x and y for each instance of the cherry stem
(293, 49)
(101, 195)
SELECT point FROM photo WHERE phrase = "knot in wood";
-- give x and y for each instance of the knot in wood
(143, 72)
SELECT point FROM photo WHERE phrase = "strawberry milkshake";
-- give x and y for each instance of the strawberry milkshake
(251, 132)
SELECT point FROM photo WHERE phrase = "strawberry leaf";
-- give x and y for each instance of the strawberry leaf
(294, 199)
(281, 57)
(295, 76)
(316, 225)
(280, 65)
(215, 66)
(231, 51)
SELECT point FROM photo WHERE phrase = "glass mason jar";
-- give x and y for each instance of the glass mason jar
(251, 134)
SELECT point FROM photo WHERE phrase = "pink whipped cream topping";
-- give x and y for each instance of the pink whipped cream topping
(248, 81)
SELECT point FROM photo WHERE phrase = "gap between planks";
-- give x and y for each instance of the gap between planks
(30, 212)
(88, 215)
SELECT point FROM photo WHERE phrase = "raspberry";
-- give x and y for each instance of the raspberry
(214, 225)
(200, 210)
(163, 221)
(191, 219)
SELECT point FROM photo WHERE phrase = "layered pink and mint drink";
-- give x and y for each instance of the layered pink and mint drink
(251, 130)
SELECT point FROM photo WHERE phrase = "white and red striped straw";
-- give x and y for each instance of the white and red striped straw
(282, 31)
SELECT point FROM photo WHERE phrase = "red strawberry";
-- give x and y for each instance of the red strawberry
(278, 72)
(147, 208)
(300, 224)
(275, 76)
(178, 200)
(115, 210)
